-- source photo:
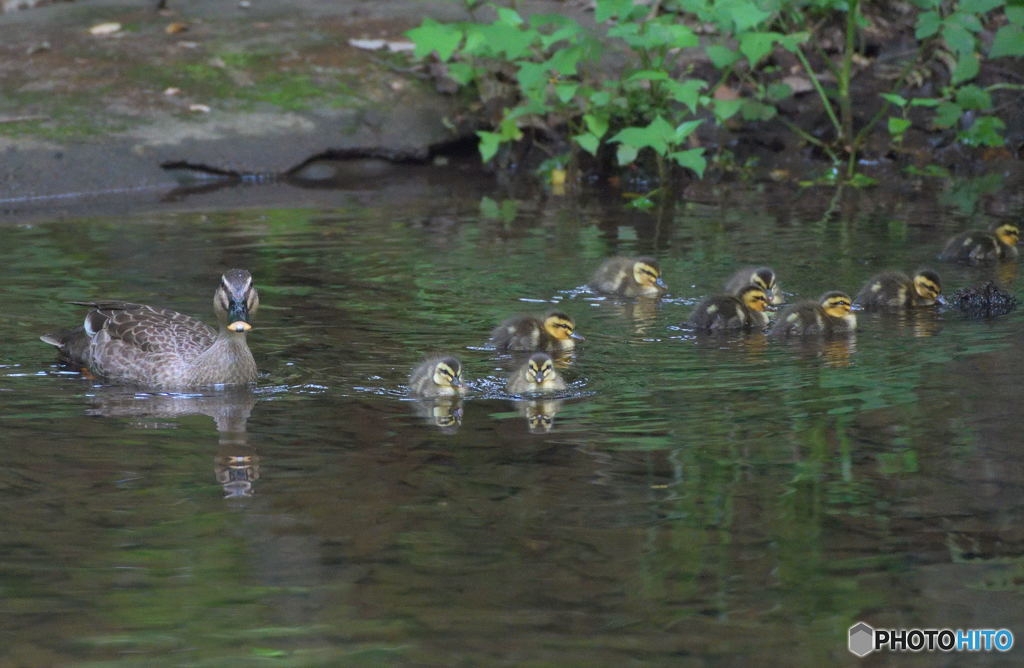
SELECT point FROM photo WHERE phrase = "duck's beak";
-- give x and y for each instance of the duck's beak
(578, 337)
(238, 316)
(661, 284)
(540, 376)
(456, 382)
(940, 300)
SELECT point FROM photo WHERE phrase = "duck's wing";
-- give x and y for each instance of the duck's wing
(149, 329)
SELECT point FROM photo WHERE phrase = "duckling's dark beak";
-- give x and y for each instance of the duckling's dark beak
(238, 316)
(578, 337)
(661, 284)
(456, 382)
(539, 376)
(940, 300)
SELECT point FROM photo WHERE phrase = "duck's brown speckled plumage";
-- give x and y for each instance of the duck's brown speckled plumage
(983, 247)
(829, 315)
(555, 332)
(159, 348)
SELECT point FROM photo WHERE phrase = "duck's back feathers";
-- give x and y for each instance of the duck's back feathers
(721, 312)
(519, 333)
(618, 276)
(888, 288)
(973, 247)
(801, 319)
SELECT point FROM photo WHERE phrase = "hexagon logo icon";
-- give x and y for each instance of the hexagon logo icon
(862, 640)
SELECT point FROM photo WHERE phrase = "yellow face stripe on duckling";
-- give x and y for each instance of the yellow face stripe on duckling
(559, 326)
(538, 372)
(646, 274)
(446, 376)
(926, 287)
(756, 300)
(1009, 234)
(837, 306)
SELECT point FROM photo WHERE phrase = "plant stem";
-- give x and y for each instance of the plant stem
(811, 139)
(821, 91)
(845, 103)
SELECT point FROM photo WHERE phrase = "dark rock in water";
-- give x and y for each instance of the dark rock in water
(986, 301)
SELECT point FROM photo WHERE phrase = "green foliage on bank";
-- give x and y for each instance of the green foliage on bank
(549, 73)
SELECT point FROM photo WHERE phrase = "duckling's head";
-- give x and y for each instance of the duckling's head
(448, 372)
(647, 272)
(561, 326)
(927, 284)
(540, 368)
(755, 298)
(1007, 233)
(236, 300)
(764, 278)
(836, 304)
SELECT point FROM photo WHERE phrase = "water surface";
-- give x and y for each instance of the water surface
(690, 500)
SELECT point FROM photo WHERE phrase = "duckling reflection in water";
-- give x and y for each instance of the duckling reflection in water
(537, 375)
(444, 413)
(438, 377)
(540, 414)
(629, 277)
(983, 247)
(760, 277)
(829, 315)
(744, 311)
(895, 289)
(555, 332)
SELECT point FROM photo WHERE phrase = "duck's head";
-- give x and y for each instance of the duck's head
(927, 284)
(836, 304)
(448, 373)
(1007, 233)
(755, 298)
(647, 272)
(236, 300)
(764, 278)
(561, 326)
(540, 368)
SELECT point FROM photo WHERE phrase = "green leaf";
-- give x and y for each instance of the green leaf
(625, 154)
(1015, 15)
(606, 9)
(684, 130)
(947, 114)
(687, 92)
(1009, 41)
(973, 97)
(588, 142)
(598, 125)
(564, 61)
(532, 77)
(958, 38)
(489, 144)
(566, 91)
(726, 109)
(897, 126)
(968, 21)
(893, 98)
(601, 98)
(793, 40)
(925, 102)
(691, 159)
(508, 40)
(928, 24)
(508, 16)
(657, 135)
(986, 131)
(721, 56)
(745, 15)
(461, 73)
(983, 6)
(779, 91)
(489, 208)
(432, 36)
(757, 111)
(648, 75)
(967, 67)
(755, 45)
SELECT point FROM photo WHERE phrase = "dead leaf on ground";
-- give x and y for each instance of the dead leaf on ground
(798, 84)
(175, 28)
(105, 28)
(199, 108)
(395, 46)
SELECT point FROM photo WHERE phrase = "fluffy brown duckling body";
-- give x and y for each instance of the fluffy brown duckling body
(744, 311)
(438, 377)
(538, 374)
(983, 247)
(629, 277)
(555, 332)
(761, 277)
(894, 289)
(829, 315)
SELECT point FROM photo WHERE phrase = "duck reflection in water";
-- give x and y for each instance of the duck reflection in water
(540, 414)
(445, 413)
(236, 464)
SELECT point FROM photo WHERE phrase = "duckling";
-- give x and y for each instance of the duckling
(762, 277)
(980, 247)
(556, 331)
(744, 311)
(438, 377)
(896, 289)
(829, 315)
(629, 277)
(537, 375)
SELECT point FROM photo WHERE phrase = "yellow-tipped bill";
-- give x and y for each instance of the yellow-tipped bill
(239, 326)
